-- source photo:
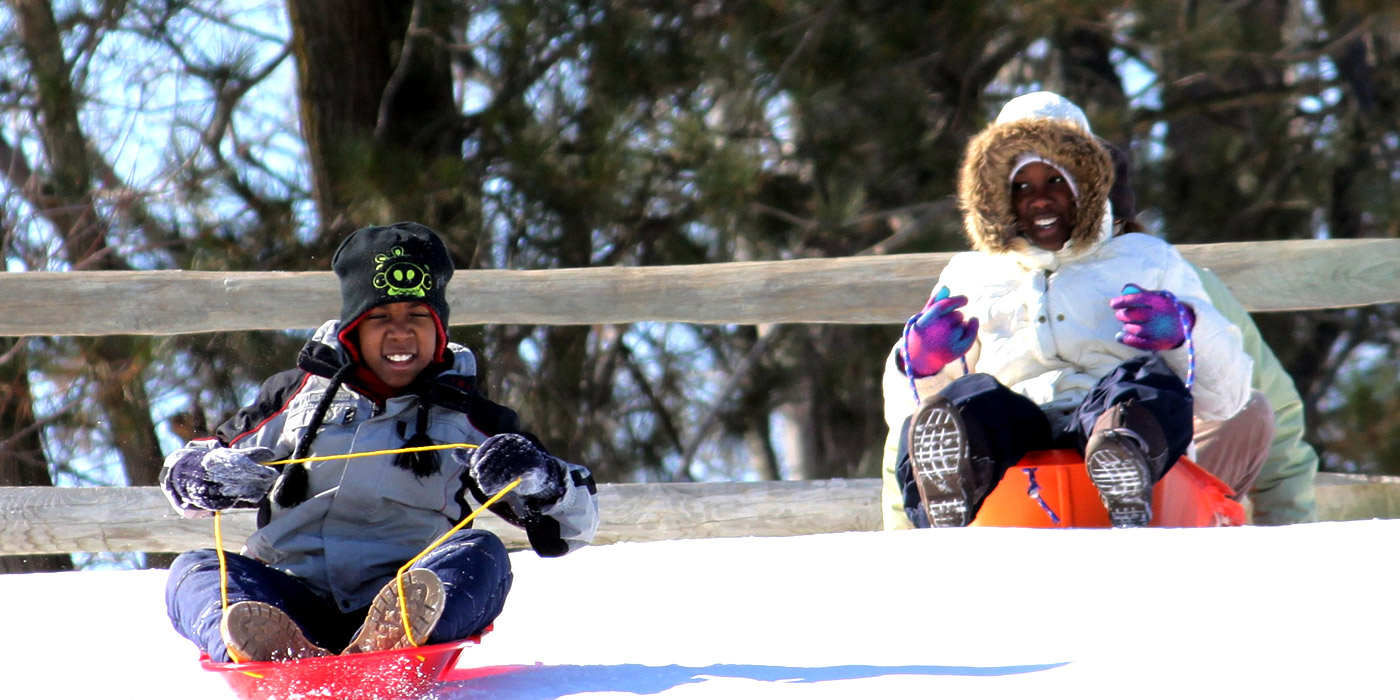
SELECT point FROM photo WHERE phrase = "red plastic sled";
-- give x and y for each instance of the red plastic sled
(1188, 496)
(377, 675)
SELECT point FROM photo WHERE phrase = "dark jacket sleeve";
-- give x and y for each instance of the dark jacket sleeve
(253, 421)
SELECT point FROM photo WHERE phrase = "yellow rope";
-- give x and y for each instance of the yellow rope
(223, 570)
(398, 577)
(375, 453)
(403, 605)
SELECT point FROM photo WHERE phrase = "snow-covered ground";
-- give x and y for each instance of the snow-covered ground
(1305, 611)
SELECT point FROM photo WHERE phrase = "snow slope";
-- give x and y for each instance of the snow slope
(1304, 611)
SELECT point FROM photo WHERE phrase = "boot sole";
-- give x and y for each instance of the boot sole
(939, 459)
(255, 631)
(383, 629)
(1119, 471)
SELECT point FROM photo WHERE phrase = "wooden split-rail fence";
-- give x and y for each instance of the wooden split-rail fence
(1265, 276)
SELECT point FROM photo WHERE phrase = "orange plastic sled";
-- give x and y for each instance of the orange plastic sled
(1188, 496)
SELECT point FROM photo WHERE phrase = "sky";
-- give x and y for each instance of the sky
(1301, 611)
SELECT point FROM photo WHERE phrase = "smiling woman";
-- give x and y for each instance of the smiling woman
(1061, 311)
(1044, 201)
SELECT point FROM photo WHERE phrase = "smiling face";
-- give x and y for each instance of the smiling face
(397, 341)
(1044, 205)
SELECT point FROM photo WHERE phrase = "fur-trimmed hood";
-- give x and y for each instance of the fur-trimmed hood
(1055, 129)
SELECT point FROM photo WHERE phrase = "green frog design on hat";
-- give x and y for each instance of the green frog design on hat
(398, 275)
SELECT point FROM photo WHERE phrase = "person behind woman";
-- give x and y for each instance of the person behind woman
(1280, 487)
(1052, 333)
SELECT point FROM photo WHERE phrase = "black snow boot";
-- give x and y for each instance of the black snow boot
(952, 477)
(1125, 456)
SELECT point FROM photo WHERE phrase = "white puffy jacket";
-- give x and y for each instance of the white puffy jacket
(1047, 331)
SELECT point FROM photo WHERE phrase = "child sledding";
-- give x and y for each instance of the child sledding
(319, 576)
(1053, 333)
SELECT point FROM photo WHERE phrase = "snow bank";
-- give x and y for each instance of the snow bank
(1303, 611)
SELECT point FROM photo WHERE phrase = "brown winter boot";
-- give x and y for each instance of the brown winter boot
(383, 628)
(255, 631)
(1120, 457)
(950, 484)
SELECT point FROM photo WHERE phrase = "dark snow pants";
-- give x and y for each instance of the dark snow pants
(473, 565)
(1003, 425)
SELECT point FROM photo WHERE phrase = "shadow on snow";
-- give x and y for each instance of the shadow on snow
(551, 682)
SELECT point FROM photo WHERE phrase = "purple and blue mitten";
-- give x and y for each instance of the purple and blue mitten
(1152, 319)
(938, 335)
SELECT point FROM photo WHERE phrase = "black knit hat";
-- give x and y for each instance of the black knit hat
(380, 265)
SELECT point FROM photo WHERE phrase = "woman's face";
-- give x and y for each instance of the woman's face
(1044, 205)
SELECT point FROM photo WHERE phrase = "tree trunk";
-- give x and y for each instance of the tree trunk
(377, 109)
(341, 48)
(67, 202)
(119, 363)
(22, 458)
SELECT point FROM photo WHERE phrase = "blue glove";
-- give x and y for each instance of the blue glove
(938, 335)
(1151, 320)
(504, 458)
(203, 479)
